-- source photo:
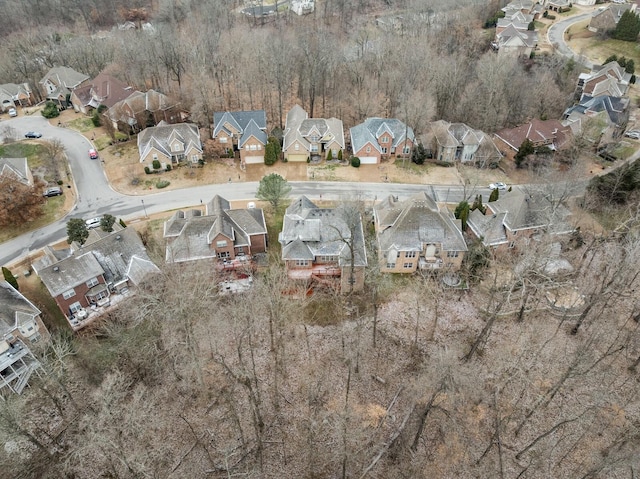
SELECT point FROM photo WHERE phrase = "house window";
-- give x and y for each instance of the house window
(391, 265)
(452, 254)
(223, 139)
(313, 149)
(512, 244)
(326, 259)
(258, 147)
(75, 307)
(221, 244)
(100, 295)
(176, 147)
(69, 294)
(155, 156)
(195, 159)
(407, 265)
(296, 147)
(92, 282)
(352, 281)
(223, 254)
(384, 150)
(315, 138)
(384, 139)
(405, 150)
(409, 254)
(302, 262)
(368, 150)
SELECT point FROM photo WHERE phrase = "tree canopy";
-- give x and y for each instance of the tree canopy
(77, 231)
(628, 27)
(106, 223)
(19, 203)
(273, 188)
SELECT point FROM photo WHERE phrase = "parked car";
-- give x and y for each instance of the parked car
(53, 191)
(93, 154)
(499, 185)
(93, 222)
(634, 134)
(13, 112)
(32, 134)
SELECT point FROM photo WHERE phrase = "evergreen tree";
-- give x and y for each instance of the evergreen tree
(462, 213)
(628, 27)
(525, 150)
(477, 204)
(270, 156)
(77, 231)
(495, 194)
(106, 223)
(419, 154)
(273, 188)
(10, 278)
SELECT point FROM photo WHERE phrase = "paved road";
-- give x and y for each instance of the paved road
(555, 35)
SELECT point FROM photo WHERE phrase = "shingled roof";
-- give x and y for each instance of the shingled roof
(372, 128)
(159, 137)
(14, 308)
(241, 121)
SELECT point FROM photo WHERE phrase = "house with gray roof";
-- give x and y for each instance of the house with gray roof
(228, 236)
(245, 131)
(306, 137)
(19, 318)
(324, 245)
(59, 82)
(518, 217)
(610, 79)
(17, 169)
(607, 18)
(516, 42)
(416, 234)
(170, 144)
(378, 138)
(15, 94)
(457, 142)
(613, 111)
(87, 279)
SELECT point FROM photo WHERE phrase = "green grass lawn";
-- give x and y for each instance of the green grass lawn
(82, 124)
(30, 151)
(600, 50)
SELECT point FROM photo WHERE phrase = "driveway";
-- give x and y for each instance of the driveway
(555, 35)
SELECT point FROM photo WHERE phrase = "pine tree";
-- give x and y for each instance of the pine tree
(462, 213)
(628, 27)
(10, 278)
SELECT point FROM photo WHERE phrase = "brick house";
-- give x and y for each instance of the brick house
(228, 236)
(102, 90)
(607, 19)
(378, 138)
(144, 109)
(245, 131)
(13, 95)
(17, 169)
(416, 234)
(456, 142)
(323, 245)
(306, 137)
(170, 144)
(19, 318)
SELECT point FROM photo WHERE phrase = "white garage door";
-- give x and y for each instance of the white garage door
(368, 160)
(297, 158)
(252, 160)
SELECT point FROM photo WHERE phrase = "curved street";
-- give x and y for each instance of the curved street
(556, 34)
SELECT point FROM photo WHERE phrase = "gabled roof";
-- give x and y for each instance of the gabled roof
(372, 128)
(612, 106)
(252, 130)
(16, 167)
(309, 231)
(103, 90)
(536, 131)
(139, 102)
(160, 137)
(239, 120)
(409, 225)
(534, 210)
(610, 79)
(64, 77)
(13, 307)
(192, 233)
(299, 127)
(512, 37)
(10, 92)
(490, 228)
(115, 256)
(614, 11)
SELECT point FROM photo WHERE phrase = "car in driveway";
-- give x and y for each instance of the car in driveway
(93, 154)
(498, 185)
(633, 134)
(13, 112)
(93, 222)
(33, 134)
(53, 191)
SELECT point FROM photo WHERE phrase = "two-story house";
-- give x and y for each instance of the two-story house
(516, 217)
(102, 90)
(85, 280)
(170, 143)
(306, 137)
(378, 138)
(59, 82)
(19, 318)
(550, 133)
(13, 95)
(416, 234)
(608, 80)
(607, 18)
(144, 109)
(325, 245)
(229, 236)
(456, 142)
(245, 131)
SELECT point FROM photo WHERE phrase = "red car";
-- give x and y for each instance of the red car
(93, 154)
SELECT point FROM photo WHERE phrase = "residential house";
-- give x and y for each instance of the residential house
(612, 110)
(516, 217)
(229, 236)
(456, 142)
(416, 234)
(557, 5)
(513, 41)
(379, 138)
(87, 279)
(607, 18)
(302, 7)
(17, 169)
(528, 7)
(306, 137)
(550, 133)
(13, 95)
(170, 144)
(17, 364)
(610, 79)
(245, 131)
(143, 109)
(102, 90)
(325, 245)
(59, 82)
(518, 19)
(19, 318)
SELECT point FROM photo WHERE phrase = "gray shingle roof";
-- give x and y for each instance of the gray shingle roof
(65, 77)
(372, 128)
(13, 303)
(17, 167)
(488, 227)
(409, 225)
(299, 127)
(531, 211)
(239, 120)
(254, 130)
(160, 136)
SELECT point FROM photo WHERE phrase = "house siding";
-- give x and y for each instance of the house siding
(81, 290)
(229, 249)
(258, 243)
(246, 150)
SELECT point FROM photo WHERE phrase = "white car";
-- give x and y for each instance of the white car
(634, 134)
(93, 223)
(499, 185)
(13, 112)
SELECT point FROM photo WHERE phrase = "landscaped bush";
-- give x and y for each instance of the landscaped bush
(355, 162)
(147, 170)
(156, 164)
(50, 110)
(446, 164)
(95, 119)
(168, 168)
(162, 184)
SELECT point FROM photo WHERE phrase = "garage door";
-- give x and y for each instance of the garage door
(252, 160)
(297, 158)
(368, 160)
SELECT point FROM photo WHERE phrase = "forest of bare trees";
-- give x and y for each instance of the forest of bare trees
(335, 62)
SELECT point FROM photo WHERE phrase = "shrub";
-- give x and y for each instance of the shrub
(168, 168)
(156, 164)
(95, 119)
(446, 164)
(355, 162)
(308, 159)
(59, 182)
(50, 110)
(162, 184)
(200, 162)
(551, 17)
(147, 170)
(329, 156)
(340, 155)
(122, 223)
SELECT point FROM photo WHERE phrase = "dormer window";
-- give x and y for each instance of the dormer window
(176, 147)
(384, 139)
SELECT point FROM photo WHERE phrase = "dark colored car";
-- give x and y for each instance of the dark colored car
(93, 154)
(53, 191)
(32, 134)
